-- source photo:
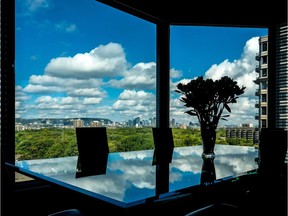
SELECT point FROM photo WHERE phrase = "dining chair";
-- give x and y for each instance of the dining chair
(270, 192)
(272, 153)
(93, 151)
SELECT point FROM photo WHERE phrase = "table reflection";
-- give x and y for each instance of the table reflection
(131, 178)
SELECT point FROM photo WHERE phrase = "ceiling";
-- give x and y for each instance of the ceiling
(245, 13)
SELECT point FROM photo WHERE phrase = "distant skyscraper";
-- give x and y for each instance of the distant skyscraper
(78, 123)
(173, 122)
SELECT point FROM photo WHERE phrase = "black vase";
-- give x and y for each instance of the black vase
(208, 135)
(208, 174)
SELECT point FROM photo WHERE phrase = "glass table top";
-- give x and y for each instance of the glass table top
(130, 177)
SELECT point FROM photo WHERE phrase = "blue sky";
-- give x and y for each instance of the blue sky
(85, 59)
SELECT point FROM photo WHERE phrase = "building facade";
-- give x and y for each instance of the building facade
(281, 87)
(262, 82)
(243, 132)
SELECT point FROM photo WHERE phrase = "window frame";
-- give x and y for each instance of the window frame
(162, 84)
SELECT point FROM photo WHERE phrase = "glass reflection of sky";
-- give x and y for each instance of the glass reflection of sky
(130, 176)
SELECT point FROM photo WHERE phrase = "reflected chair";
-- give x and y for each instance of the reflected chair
(162, 157)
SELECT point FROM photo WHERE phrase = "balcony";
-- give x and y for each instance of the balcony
(257, 117)
(257, 81)
(257, 105)
(257, 92)
(257, 57)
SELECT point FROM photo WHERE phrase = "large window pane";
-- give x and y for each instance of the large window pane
(214, 52)
(80, 64)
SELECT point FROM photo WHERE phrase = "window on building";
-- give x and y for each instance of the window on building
(264, 59)
(263, 98)
(264, 72)
(263, 110)
(264, 85)
(263, 123)
(264, 46)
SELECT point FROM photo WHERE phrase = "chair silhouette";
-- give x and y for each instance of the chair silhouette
(93, 151)
(164, 145)
(271, 189)
(272, 152)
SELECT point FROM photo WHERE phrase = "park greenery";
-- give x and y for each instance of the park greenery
(53, 142)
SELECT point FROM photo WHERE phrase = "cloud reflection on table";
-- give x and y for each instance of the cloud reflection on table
(130, 176)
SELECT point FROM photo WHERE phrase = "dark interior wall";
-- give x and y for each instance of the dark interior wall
(7, 146)
(40, 199)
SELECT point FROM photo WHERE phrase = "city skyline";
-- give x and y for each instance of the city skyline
(84, 59)
(22, 124)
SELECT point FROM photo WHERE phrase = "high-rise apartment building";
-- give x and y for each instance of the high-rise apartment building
(281, 82)
(262, 81)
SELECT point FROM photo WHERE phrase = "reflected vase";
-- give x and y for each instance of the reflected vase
(208, 135)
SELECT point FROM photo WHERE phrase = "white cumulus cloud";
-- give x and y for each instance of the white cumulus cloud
(103, 61)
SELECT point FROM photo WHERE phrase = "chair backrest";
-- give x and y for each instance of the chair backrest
(164, 145)
(272, 151)
(93, 151)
